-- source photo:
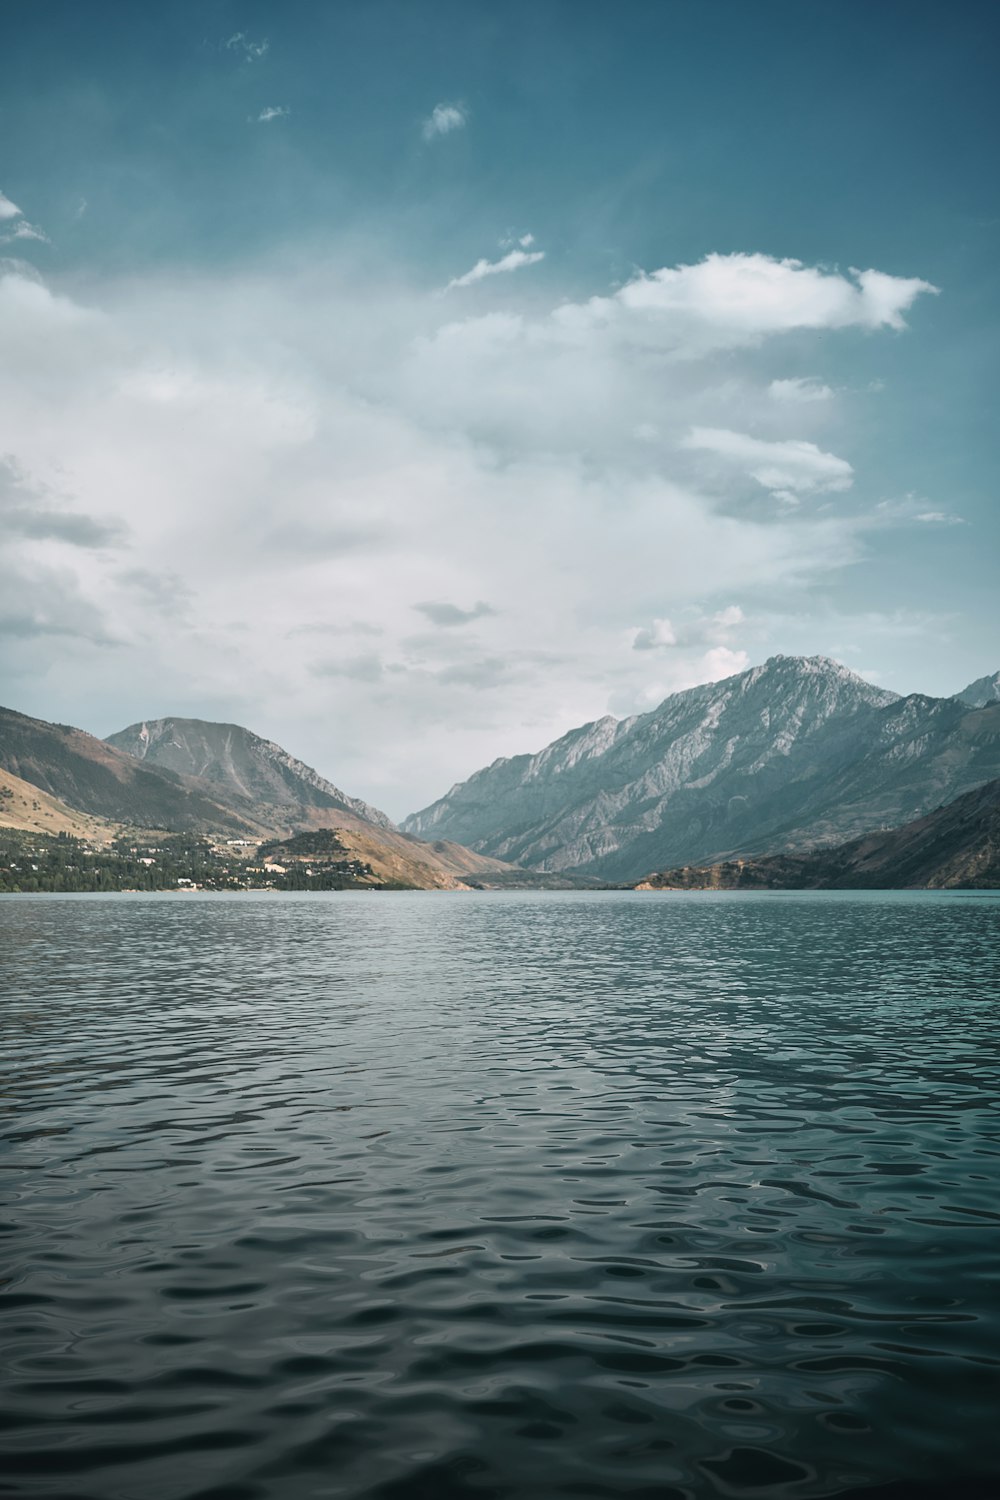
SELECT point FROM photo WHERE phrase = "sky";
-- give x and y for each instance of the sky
(414, 382)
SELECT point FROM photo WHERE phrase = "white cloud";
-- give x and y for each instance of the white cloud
(660, 633)
(512, 261)
(914, 508)
(722, 662)
(250, 50)
(726, 301)
(791, 465)
(695, 629)
(25, 231)
(22, 230)
(272, 112)
(802, 390)
(443, 119)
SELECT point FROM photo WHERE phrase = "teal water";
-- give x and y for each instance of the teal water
(500, 1195)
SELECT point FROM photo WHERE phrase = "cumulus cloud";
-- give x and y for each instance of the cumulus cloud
(792, 465)
(451, 614)
(726, 301)
(695, 629)
(271, 112)
(443, 119)
(660, 633)
(8, 210)
(512, 261)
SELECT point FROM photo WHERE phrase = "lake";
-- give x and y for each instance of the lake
(500, 1195)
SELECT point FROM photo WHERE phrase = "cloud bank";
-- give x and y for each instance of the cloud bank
(296, 519)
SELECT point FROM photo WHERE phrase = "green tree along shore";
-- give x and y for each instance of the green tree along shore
(33, 862)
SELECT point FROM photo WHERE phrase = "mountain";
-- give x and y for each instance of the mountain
(981, 692)
(235, 762)
(791, 754)
(955, 846)
(95, 779)
(92, 777)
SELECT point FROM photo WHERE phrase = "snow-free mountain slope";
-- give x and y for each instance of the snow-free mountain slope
(956, 846)
(238, 762)
(90, 776)
(28, 808)
(983, 691)
(797, 752)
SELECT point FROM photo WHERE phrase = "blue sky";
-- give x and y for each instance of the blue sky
(414, 381)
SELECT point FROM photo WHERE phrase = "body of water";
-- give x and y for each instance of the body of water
(500, 1195)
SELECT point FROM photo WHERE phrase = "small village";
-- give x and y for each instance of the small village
(141, 861)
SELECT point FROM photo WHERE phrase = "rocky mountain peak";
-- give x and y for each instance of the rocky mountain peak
(234, 758)
(981, 692)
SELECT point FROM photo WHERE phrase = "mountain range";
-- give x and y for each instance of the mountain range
(245, 788)
(795, 755)
(792, 754)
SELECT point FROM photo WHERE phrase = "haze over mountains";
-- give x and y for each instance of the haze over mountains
(795, 753)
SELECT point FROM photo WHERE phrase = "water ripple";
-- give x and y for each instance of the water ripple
(500, 1196)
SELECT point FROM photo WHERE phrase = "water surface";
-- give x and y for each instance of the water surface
(500, 1195)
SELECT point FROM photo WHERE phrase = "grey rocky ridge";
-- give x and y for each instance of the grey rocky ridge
(238, 762)
(981, 692)
(793, 754)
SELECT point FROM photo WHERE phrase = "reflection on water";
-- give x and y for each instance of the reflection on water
(500, 1196)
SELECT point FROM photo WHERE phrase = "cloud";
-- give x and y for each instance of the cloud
(443, 119)
(792, 465)
(913, 508)
(696, 629)
(722, 662)
(250, 50)
(803, 390)
(27, 513)
(271, 112)
(728, 301)
(512, 261)
(21, 230)
(660, 633)
(40, 603)
(450, 614)
(25, 231)
(282, 515)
